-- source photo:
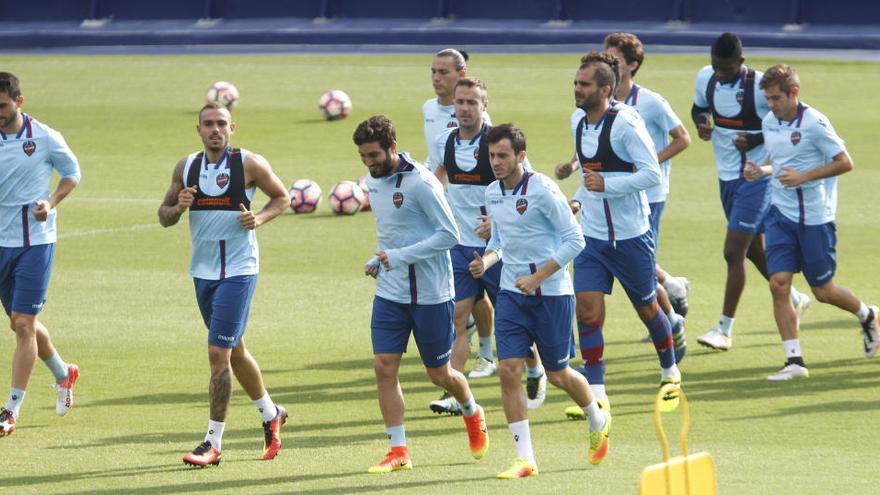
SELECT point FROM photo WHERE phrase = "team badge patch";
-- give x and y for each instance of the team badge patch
(222, 180)
(397, 199)
(521, 205)
(451, 124)
(477, 154)
(795, 138)
(29, 147)
(740, 95)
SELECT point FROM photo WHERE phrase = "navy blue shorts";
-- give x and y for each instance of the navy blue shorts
(545, 320)
(465, 284)
(225, 305)
(745, 204)
(431, 325)
(24, 277)
(654, 218)
(792, 248)
(631, 261)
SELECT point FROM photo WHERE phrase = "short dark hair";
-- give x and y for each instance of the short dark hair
(9, 84)
(212, 105)
(783, 76)
(507, 131)
(377, 128)
(606, 68)
(472, 82)
(727, 46)
(629, 45)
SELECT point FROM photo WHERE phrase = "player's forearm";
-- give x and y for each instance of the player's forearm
(680, 140)
(572, 244)
(698, 115)
(841, 164)
(273, 208)
(65, 186)
(645, 178)
(546, 270)
(169, 215)
(490, 257)
(441, 240)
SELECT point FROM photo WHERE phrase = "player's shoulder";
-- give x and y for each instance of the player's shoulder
(814, 118)
(542, 184)
(651, 98)
(704, 74)
(628, 114)
(576, 116)
(443, 135)
(40, 129)
(430, 106)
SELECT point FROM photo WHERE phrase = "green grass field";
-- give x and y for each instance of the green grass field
(122, 306)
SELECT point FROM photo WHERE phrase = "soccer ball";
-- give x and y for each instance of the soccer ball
(335, 105)
(223, 93)
(362, 182)
(305, 196)
(346, 198)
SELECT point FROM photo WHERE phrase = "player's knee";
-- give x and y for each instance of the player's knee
(509, 372)
(587, 315)
(440, 377)
(822, 293)
(734, 254)
(384, 369)
(23, 326)
(557, 378)
(219, 357)
(779, 286)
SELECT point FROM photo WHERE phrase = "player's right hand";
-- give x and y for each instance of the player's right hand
(563, 170)
(575, 206)
(752, 171)
(185, 197)
(477, 267)
(704, 131)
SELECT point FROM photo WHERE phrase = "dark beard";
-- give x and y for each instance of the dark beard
(385, 171)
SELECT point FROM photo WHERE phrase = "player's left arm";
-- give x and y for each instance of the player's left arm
(432, 201)
(840, 164)
(65, 163)
(638, 144)
(258, 171)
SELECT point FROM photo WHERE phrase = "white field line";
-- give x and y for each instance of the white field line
(109, 230)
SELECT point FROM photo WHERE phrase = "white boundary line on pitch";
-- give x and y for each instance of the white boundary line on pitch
(110, 230)
(116, 200)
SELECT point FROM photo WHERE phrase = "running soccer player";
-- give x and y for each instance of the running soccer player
(29, 152)
(805, 156)
(619, 165)
(535, 233)
(465, 171)
(414, 286)
(217, 186)
(448, 66)
(730, 93)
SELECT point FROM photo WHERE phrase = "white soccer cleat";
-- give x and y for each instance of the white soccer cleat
(536, 391)
(446, 404)
(789, 372)
(678, 294)
(64, 391)
(471, 327)
(483, 368)
(870, 335)
(800, 301)
(715, 339)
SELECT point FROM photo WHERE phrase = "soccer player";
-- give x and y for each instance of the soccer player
(29, 152)
(619, 165)
(805, 156)
(447, 67)
(217, 186)
(414, 287)
(730, 93)
(535, 233)
(466, 172)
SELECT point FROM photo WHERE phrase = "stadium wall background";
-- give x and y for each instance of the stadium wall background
(782, 12)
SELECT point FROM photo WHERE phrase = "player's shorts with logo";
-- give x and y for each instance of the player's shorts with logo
(545, 320)
(745, 204)
(465, 284)
(431, 326)
(24, 277)
(631, 261)
(224, 305)
(654, 220)
(792, 248)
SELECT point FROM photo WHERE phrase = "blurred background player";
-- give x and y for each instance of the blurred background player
(619, 165)
(447, 67)
(805, 156)
(729, 92)
(217, 186)
(29, 152)
(414, 286)
(537, 236)
(465, 171)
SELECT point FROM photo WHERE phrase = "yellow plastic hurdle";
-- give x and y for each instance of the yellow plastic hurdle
(683, 474)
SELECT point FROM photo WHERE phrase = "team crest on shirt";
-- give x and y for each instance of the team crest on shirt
(795, 138)
(397, 199)
(452, 123)
(29, 147)
(740, 95)
(477, 154)
(222, 180)
(521, 205)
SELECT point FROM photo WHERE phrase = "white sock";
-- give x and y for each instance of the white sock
(523, 440)
(599, 391)
(57, 366)
(863, 312)
(16, 397)
(594, 415)
(671, 371)
(469, 408)
(215, 433)
(266, 407)
(726, 325)
(535, 372)
(486, 348)
(673, 317)
(792, 348)
(396, 436)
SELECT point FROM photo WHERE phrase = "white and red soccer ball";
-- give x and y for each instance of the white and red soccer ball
(362, 182)
(334, 105)
(346, 198)
(224, 93)
(305, 196)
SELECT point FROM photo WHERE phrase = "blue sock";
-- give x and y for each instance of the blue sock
(592, 344)
(57, 367)
(661, 335)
